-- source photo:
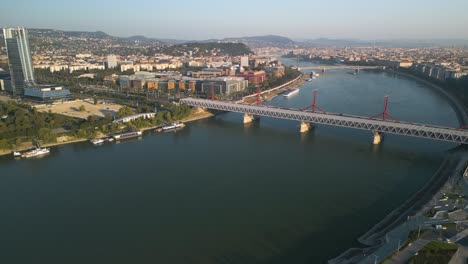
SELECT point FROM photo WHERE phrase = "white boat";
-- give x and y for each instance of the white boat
(35, 152)
(291, 93)
(16, 154)
(309, 80)
(110, 139)
(97, 141)
(173, 126)
(128, 135)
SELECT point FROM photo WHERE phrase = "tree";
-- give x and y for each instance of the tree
(168, 116)
(82, 108)
(124, 111)
(4, 144)
(95, 100)
(45, 134)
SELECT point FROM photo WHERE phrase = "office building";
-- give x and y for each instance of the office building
(111, 61)
(224, 85)
(19, 59)
(5, 81)
(244, 61)
(254, 77)
(46, 93)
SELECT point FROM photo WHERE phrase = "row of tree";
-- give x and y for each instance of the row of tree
(20, 122)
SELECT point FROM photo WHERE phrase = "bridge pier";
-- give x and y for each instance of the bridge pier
(249, 118)
(199, 109)
(304, 127)
(378, 138)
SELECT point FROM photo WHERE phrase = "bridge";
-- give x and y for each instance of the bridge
(315, 115)
(330, 67)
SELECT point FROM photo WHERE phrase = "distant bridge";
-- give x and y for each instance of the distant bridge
(377, 126)
(330, 67)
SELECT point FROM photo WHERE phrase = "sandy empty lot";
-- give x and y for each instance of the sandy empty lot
(73, 109)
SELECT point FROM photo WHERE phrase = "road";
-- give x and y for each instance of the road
(405, 255)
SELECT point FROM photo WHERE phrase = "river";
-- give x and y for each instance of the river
(221, 192)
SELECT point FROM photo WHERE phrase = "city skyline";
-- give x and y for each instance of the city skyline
(185, 20)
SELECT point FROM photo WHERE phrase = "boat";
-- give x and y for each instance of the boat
(97, 141)
(128, 135)
(172, 126)
(110, 139)
(16, 154)
(291, 92)
(35, 152)
(309, 80)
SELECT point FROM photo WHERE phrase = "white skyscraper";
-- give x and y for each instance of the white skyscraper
(111, 61)
(244, 62)
(19, 59)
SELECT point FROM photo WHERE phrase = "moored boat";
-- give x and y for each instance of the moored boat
(35, 152)
(128, 135)
(97, 141)
(172, 126)
(291, 93)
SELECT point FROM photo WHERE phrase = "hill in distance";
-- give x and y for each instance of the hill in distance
(209, 48)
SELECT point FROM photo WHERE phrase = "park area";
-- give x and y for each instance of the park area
(80, 108)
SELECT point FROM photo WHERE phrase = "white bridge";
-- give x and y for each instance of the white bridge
(378, 127)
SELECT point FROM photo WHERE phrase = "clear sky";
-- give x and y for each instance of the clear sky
(204, 19)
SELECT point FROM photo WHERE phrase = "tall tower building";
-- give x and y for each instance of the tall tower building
(19, 59)
(111, 61)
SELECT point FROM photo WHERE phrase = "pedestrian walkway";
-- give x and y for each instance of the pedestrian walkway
(404, 255)
(460, 256)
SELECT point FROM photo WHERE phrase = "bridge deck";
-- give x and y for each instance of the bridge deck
(448, 134)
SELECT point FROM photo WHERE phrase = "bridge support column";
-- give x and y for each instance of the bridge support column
(378, 138)
(248, 118)
(304, 127)
(198, 109)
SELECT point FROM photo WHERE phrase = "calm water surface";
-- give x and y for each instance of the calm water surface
(221, 192)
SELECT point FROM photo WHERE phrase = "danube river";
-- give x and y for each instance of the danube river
(221, 192)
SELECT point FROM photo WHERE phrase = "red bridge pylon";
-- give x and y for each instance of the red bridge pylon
(314, 107)
(385, 113)
(212, 95)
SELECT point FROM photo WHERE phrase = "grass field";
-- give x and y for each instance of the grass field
(72, 109)
(435, 253)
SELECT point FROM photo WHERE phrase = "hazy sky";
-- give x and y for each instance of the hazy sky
(203, 19)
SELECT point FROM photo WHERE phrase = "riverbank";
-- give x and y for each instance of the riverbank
(460, 110)
(269, 94)
(64, 140)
